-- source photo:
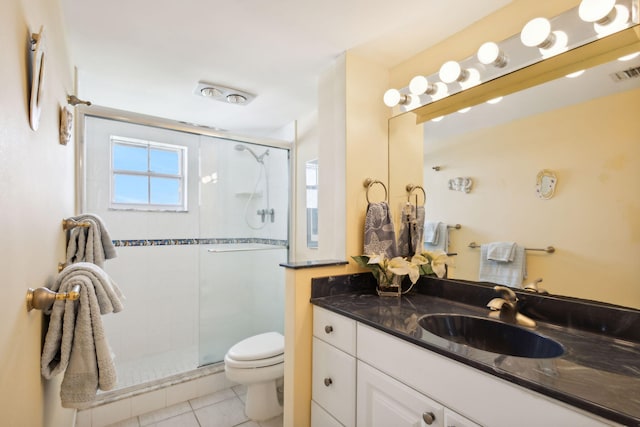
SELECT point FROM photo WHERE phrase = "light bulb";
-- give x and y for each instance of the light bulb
(393, 97)
(419, 85)
(473, 78)
(451, 71)
(599, 11)
(614, 22)
(537, 33)
(561, 40)
(491, 54)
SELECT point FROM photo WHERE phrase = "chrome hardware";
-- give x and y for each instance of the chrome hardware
(328, 382)
(328, 329)
(428, 418)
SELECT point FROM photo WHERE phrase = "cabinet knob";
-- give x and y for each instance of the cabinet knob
(328, 329)
(328, 382)
(428, 418)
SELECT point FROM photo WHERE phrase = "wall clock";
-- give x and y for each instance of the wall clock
(37, 78)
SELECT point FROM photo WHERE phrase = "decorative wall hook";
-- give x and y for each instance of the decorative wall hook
(74, 100)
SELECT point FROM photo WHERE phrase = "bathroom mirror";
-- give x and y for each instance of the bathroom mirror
(585, 130)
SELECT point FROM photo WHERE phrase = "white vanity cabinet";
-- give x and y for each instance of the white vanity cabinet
(333, 389)
(379, 380)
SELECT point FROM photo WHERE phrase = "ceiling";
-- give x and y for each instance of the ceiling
(147, 56)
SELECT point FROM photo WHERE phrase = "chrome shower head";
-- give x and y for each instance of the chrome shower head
(259, 159)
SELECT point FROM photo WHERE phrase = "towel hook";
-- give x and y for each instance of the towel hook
(43, 298)
(370, 182)
(70, 223)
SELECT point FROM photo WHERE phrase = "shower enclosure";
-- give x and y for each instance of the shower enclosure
(200, 223)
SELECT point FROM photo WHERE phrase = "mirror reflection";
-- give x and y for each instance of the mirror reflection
(584, 130)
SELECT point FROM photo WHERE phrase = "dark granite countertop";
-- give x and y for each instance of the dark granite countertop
(599, 370)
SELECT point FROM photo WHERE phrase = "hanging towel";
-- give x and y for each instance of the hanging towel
(501, 251)
(379, 232)
(75, 342)
(432, 232)
(510, 273)
(90, 244)
(442, 241)
(411, 230)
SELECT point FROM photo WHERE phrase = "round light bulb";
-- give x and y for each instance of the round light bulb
(560, 45)
(615, 22)
(210, 92)
(236, 98)
(419, 85)
(537, 33)
(491, 54)
(596, 10)
(451, 72)
(393, 97)
(440, 92)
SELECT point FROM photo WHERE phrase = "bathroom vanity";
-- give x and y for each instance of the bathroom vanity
(375, 365)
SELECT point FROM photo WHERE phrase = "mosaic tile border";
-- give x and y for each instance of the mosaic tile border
(207, 241)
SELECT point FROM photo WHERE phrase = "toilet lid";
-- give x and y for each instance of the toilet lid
(260, 346)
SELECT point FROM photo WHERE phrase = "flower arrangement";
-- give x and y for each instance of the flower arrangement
(385, 269)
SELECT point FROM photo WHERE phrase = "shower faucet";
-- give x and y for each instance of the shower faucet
(264, 212)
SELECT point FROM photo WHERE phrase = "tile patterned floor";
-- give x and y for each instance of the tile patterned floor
(222, 409)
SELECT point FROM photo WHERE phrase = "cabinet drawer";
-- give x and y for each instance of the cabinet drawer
(335, 329)
(334, 381)
(321, 418)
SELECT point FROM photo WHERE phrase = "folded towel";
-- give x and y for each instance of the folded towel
(75, 341)
(442, 243)
(411, 230)
(501, 251)
(432, 232)
(379, 232)
(90, 244)
(503, 273)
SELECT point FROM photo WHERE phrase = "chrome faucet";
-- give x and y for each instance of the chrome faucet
(506, 308)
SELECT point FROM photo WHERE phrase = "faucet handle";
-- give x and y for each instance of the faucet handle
(506, 293)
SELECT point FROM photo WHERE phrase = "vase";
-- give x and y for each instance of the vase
(389, 286)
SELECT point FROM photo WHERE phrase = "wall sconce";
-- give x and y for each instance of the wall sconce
(491, 54)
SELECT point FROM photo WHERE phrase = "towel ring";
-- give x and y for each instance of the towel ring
(369, 182)
(411, 188)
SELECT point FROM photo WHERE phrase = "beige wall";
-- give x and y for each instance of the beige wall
(37, 191)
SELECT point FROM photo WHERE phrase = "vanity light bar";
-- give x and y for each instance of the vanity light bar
(540, 38)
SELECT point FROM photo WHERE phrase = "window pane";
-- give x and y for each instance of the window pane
(130, 189)
(165, 191)
(165, 161)
(129, 157)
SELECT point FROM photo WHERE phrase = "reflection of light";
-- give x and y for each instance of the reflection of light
(437, 119)
(464, 110)
(616, 24)
(576, 74)
(441, 92)
(596, 10)
(213, 178)
(558, 46)
(473, 78)
(495, 100)
(629, 57)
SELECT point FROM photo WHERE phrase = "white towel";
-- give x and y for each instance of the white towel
(442, 243)
(503, 273)
(75, 341)
(379, 231)
(90, 244)
(432, 232)
(501, 251)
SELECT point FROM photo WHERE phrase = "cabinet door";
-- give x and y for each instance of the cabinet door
(334, 381)
(383, 402)
(321, 418)
(453, 419)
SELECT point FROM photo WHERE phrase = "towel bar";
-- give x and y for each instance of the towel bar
(70, 223)
(548, 249)
(42, 298)
(457, 226)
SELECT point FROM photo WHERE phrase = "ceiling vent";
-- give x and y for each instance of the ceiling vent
(223, 94)
(629, 73)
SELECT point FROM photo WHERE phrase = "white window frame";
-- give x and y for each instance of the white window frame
(181, 175)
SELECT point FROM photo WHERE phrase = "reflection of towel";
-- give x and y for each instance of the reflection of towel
(75, 342)
(501, 251)
(503, 273)
(432, 232)
(411, 230)
(442, 242)
(90, 244)
(379, 233)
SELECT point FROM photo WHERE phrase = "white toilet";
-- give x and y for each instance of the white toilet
(258, 362)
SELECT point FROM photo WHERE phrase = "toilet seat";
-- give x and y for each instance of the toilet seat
(257, 351)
